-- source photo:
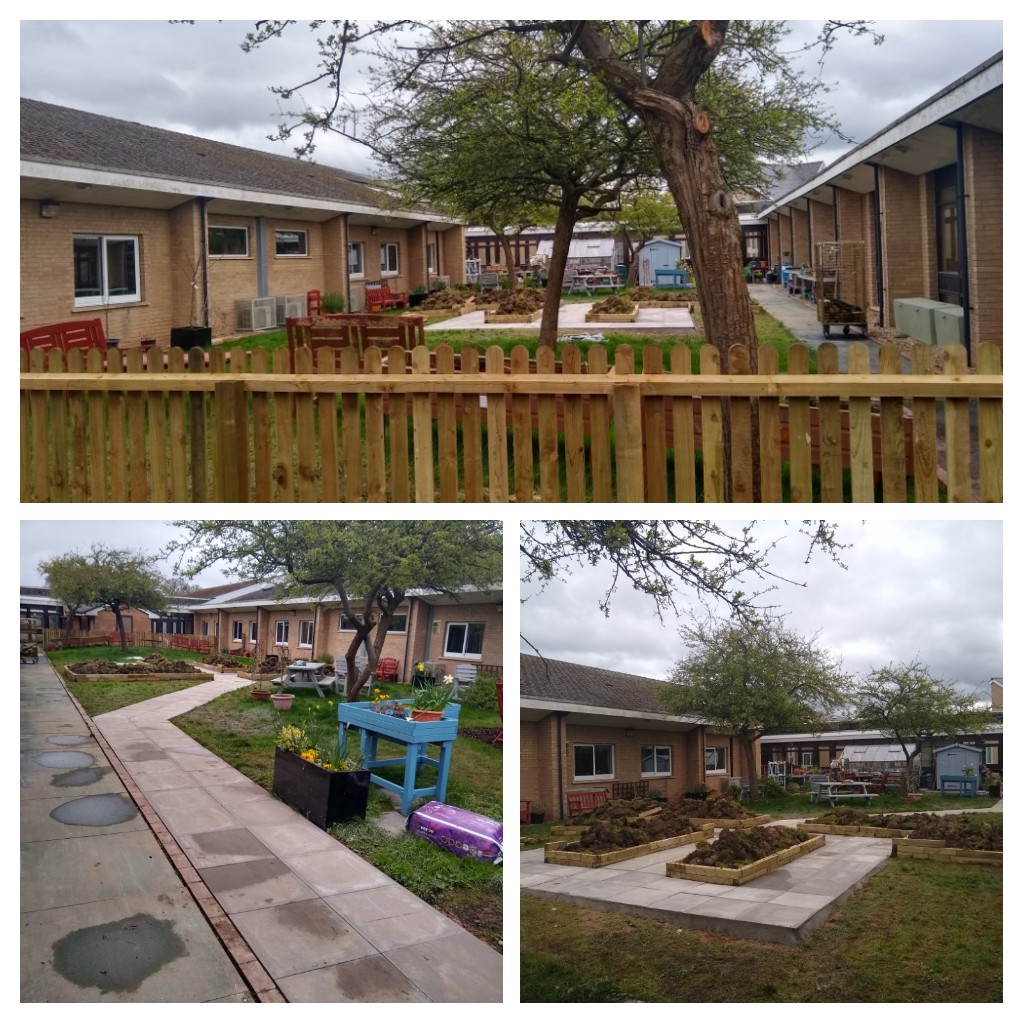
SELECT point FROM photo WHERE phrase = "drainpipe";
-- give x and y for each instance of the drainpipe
(345, 267)
(810, 234)
(961, 241)
(879, 276)
(262, 280)
(205, 257)
(835, 213)
(561, 765)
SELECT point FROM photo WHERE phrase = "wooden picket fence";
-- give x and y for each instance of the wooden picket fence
(429, 425)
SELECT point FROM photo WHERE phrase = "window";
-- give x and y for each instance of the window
(431, 258)
(464, 640)
(355, 259)
(991, 753)
(306, 633)
(655, 761)
(290, 243)
(204, 628)
(106, 269)
(236, 629)
(806, 758)
(252, 631)
(397, 624)
(593, 761)
(281, 632)
(714, 759)
(228, 241)
(389, 258)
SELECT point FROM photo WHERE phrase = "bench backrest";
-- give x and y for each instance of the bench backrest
(72, 334)
(580, 802)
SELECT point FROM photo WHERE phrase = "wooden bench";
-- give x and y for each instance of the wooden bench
(579, 803)
(381, 297)
(353, 330)
(72, 334)
(191, 643)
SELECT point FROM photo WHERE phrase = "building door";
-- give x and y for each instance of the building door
(947, 240)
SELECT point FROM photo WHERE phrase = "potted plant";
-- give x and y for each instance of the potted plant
(537, 814)
(333, 302)
(430, 701)
(317, 778)
(993, 782)
(258, 693)
(195, 334)
(383, 704)
(417, 296)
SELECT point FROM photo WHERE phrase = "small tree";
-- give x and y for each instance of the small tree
(749, 678)
(115, 578)
(906, 702)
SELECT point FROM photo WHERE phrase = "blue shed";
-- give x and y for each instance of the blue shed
(952, 760)
(659, 254)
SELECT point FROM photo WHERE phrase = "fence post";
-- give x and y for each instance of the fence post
(197, 430)
(990, 429)
(497, 431)
(629, 434)
(231, 442)
(712, 430)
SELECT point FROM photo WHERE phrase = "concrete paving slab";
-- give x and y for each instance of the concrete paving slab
(39, 824)
(452, 969)
(331, 872)
(224, 846)
(254, 883)
(572, 317)
(784, 906)
(373, 979)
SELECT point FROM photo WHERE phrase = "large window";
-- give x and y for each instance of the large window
(281, 631)
(306, 633)
(225, 241)
(389, 258)
(106, 269)
(355, 259)
(592, 761)
(252, 631)
(236, 630)
(464, 640)
(289, 242)
(714, 759)
(431, 258)
(655, 761)
(397, 624)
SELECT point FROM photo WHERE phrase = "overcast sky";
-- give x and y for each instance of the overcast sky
(927, 590)
(195, 78)
(41, 540)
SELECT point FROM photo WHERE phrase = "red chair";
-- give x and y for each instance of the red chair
(313, 300)
(387, 670)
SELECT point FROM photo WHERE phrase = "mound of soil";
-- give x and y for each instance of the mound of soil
(443, 299)
(613, 304)
(735, 847)
(960, 831)
(619, 827)
(848, 816)
(714, 807)
(223, 661)
(646, 295)
(479, 733)
(522, 300)
(152, 664)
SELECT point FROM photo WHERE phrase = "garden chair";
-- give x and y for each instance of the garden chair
(465, 675)
(489, 283)
(387, 670)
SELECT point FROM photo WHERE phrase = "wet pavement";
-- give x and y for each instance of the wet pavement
(306, 919)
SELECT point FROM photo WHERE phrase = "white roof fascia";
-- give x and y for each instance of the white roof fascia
(535, 704)
(928, 113)
(191, 189)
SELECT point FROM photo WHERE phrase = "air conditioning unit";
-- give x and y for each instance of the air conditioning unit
(255, 314)
(289, 305)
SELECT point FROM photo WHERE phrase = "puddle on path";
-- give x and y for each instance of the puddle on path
(79, 777)
(65, 759)
(118, 956)
(102, 809)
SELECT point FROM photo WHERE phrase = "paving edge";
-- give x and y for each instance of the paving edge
(261, 985)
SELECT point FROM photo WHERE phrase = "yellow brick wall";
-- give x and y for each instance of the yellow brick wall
(453, 254)
(822, 227)
(904, 228)
(801, 244)
(983, 166)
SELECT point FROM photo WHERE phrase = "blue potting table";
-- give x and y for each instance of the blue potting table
(415, 735)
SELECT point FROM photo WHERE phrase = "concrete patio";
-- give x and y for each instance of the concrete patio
(572, 317)
(305, 919)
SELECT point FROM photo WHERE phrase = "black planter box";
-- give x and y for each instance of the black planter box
(324, 797)
(190, 337)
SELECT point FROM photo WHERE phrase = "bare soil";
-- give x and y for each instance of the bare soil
(152, 664)
(618, 825)
(735, 847)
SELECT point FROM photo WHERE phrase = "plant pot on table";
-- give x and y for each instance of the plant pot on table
(322, 796)
(420, 715)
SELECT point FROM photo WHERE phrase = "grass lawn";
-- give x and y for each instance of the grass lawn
(242, 731)
(919, 931)
(98, 698)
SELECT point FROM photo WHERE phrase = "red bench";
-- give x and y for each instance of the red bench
(580, 803)
(72, 334)
(381, 297)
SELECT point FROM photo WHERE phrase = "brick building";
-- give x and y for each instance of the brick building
(925, 198)
(150, 229)
(587, 728)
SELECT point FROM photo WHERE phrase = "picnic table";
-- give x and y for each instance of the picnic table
(833, 791)
(588, 282)
(305, 673)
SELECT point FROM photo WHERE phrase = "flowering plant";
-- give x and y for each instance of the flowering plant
(383, 703)
(434, 698)
(320, 747)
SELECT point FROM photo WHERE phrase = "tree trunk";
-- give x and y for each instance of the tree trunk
(506, 248)
(119, 623)
(753, 768)
(564, 224)
(354, 679)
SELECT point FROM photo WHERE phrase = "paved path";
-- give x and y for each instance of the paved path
(323, 924)
(572, 317)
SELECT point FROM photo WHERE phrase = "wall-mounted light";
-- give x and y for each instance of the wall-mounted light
(48, 207)
(373, 230)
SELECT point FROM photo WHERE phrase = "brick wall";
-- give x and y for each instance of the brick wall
(134, 619)
(774, 245)
(822, 226)
(453, 254)
(488, 614)
(983, 172)
(905, 225)
(801, 243)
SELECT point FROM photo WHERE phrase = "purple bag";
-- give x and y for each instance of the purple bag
(461, 832)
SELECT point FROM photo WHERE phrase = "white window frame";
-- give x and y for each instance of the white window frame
(593, 748)
(253, 633)
(281, 634)
(301, 234)
(386, 268)
(227, 255)
(725, 761)
(357, 249)
(806, 758)
(431, 258)
(104, 297)
(665, 751)
(451, 652)
(306, 633)
(237, 629)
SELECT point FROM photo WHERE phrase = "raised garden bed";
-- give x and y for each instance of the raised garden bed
(848, 822)
(615, 309)
(512, 318)
(721, 813)
(154, 667)
(937, 849)
(567, 851)
(739, 850)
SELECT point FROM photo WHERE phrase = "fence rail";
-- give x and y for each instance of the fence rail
(397, 426)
